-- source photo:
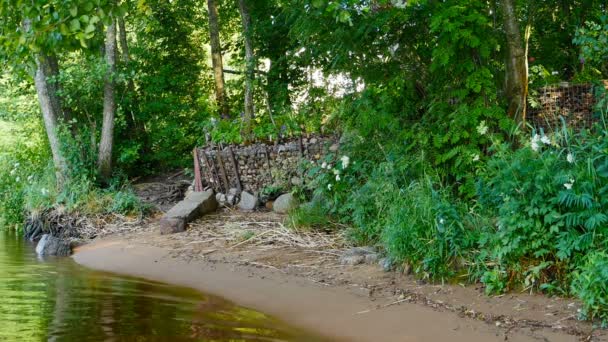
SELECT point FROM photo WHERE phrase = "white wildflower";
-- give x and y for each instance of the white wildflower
(44, 191)
(338, 178)
(534, 143)
(336, 172)
(328, 186)
(441, 221)
(555, 73)
(329, 166)
(476, 157)
(30, 178)
(482, 129)
(345, 161)
(324, 165)
(570, 158)
(545, 140)
(18, 179)
(569, 185)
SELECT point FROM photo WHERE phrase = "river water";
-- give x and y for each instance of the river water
(56, 299)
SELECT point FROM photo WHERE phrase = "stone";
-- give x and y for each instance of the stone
(192, 207)
(359, 255)
(284, 203)
(190, 189)
(352, 260)
(334, 147)
(53, 246)
(386, 264)
(220, 198)
(269, 205)
(248, 201)
(296, 181)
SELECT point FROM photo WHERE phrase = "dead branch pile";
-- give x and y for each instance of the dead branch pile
(161, 194)
(261, 229)
(75, 226)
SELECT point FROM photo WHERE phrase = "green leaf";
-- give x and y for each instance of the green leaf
(90, 28)
(74, 25)
(74, 11)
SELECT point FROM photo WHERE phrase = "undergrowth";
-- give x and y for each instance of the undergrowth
(538, 221)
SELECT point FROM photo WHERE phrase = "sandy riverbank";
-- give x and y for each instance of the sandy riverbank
(349, 303)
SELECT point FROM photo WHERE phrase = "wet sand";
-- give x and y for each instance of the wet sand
(337, 313)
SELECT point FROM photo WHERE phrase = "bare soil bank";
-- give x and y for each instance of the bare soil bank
(253, 261)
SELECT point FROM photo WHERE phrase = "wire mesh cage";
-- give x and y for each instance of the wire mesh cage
(574, 103)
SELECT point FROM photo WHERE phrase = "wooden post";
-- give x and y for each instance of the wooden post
(236, 169)
(211, 171)
(222, 169)
(198, 183)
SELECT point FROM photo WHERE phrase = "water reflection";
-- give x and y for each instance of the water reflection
(56, 299)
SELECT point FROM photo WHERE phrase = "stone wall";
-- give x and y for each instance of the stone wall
(254, 167)
(574, 103)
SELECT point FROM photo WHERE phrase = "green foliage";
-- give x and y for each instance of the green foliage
(592, 38)
(311, 215)
(549, 198)
(589, 286)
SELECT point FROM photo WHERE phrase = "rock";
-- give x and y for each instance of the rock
(334, 147)
(296, 181)
(190, 189)
(352, 260)
(50, 245)
(248, 201)
(192, 207)
(269, 205)
(371, 258)
(220, 198)
(359, 255)
(386, 264)
(284, 203)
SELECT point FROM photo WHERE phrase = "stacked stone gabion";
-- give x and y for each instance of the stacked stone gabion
(574, 103)
(255, 167)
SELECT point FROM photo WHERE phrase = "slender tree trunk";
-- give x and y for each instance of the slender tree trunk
(133, 127)
(216, 59)
(516, 85)
(51, 113)
(124, 46)
(249, 75)
(104, 161)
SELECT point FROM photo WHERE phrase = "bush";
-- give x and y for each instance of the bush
(589, 286)
(550, 201)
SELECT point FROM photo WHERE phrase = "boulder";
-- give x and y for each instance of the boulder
(248, 201)
(284, 203)
(53, 246)
(192, 207)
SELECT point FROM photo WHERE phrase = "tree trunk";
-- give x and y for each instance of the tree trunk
(249, 75)
(51, 112)
(216, 59)
(104, 161)
(124, 47)
(516, 78)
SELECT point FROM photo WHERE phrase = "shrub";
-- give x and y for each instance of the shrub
(550, 201)
(589, 286)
